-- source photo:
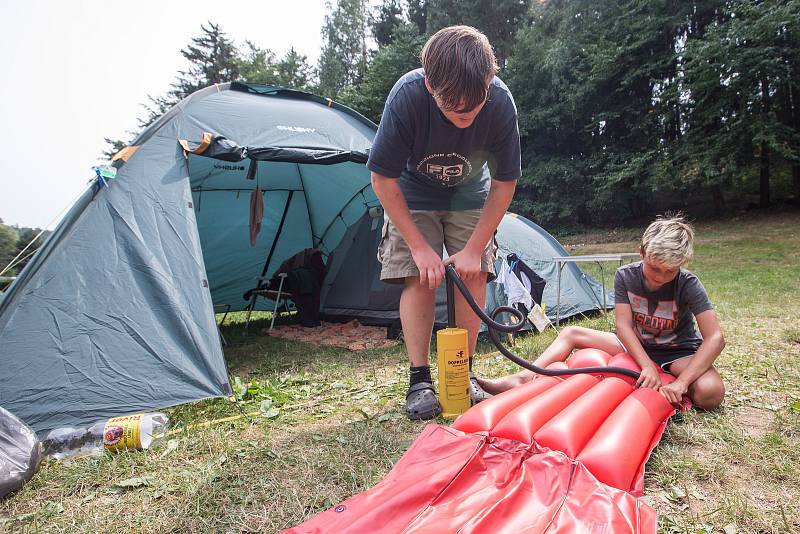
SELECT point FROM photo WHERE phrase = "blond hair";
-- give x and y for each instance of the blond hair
(669, 239)
(459, 63)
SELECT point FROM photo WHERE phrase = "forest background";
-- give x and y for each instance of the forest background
(626, 108)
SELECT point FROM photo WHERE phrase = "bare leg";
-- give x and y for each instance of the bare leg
(707, 391)
(416, 315)
(569, 339)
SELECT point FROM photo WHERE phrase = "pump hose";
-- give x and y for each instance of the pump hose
(493, 327)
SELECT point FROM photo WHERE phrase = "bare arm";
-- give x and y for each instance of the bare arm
(468, 260)
(429, 263)
(624, 319)
(703, 359)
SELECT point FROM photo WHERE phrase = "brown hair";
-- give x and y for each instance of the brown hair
(459, 63)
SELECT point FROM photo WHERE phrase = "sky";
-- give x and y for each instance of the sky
(75, 72)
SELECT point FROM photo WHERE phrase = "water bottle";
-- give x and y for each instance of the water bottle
(129, 432)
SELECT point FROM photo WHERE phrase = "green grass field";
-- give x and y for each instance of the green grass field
(313, 426)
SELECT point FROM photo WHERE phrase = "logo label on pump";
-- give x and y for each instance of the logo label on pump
(456, 379)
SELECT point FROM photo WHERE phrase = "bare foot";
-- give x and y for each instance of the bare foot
(504, 383)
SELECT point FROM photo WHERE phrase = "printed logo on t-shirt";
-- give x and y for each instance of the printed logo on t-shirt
(655, 328)
(445, 169)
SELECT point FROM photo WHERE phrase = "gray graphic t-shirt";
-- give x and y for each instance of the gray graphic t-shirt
(441, 166)
(663, 318)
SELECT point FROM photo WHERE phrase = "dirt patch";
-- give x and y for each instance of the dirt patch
(253, 433)
(351, 335)
(753, 421)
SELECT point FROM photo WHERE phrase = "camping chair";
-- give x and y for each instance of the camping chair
(298, 278)
(278, 296)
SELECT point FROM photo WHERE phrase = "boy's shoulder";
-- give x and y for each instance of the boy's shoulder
(498, 85)
(410, 84)
(630, 269)
(687, 276)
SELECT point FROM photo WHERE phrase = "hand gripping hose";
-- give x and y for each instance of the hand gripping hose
(493, 327)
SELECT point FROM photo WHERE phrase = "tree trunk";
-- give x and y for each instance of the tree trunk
(718, 198)
(796, 177)
(764, 200)
(763, 183)
(795, 111)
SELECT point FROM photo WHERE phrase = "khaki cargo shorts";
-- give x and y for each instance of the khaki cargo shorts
(443, 230)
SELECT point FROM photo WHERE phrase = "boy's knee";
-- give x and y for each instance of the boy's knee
(708, 392)
(570, 332)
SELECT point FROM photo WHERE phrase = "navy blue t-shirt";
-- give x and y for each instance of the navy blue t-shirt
(441, 166)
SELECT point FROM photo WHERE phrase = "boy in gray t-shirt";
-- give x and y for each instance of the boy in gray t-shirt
(656, 304)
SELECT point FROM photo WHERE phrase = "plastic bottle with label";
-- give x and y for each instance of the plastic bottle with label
(129, 432)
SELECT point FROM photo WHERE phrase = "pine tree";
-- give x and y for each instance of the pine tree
(212, 57)
(388, 64)
(343, 59)
(385, 20)
(417, 11)
(293, 71)
(257, 65)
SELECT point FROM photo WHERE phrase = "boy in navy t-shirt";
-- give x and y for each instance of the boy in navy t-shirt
(656, 303)
(444, 166)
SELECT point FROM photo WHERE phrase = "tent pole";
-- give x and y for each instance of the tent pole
(275, 241)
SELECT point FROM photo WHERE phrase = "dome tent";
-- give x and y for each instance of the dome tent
(115, 312)
(359, 293)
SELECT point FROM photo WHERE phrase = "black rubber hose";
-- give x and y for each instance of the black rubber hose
(493, 327)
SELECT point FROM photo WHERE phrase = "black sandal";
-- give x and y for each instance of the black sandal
(421, 402)
(476, 392)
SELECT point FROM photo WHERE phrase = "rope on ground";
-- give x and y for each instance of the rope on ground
(254, 415)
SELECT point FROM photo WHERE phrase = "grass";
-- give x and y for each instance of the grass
(329, 423)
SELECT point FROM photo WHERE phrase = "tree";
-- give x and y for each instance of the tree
(257, 65)
(26, 243)
(498, 20)
(343, 59)
(294, 71)
(8, 247)
(212, 57)
(385, 20)
(389, 63)
(589, 79)
(740, 74)
(418, 15)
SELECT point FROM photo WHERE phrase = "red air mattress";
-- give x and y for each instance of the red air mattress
(554, 455)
